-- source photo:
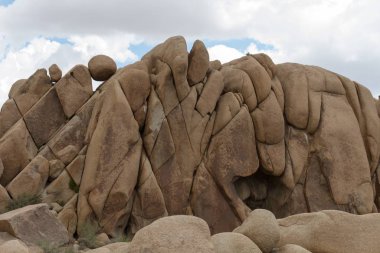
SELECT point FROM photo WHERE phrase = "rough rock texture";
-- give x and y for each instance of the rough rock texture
(34, 224)
(173, 234)
(228, 242)
(177, 134)
(332, 231)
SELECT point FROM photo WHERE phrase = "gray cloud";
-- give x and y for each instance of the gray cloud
(341, 35)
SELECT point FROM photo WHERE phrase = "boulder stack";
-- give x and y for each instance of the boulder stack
(176, 134)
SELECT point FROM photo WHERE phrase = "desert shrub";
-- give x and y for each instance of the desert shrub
(51, 248)
(22, 201)
(87, 235)
(122, 238)
(73, 186)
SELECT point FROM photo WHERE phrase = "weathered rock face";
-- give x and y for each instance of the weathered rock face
(331, 231)
(177, 134)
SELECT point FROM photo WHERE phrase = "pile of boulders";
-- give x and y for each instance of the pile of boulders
(321, 232)
(35, 228)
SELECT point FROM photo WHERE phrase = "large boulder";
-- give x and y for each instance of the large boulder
(34, 224)
(233, 242)
(262, 228)
(187, 234)
(102, 67)
(332, 231)
(198, 62)
(112, 163)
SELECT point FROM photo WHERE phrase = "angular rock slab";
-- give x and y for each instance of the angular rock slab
(45, 118)
(344, 160)
(17, 149)
(31, 180)
(27, 93)
(74, 89)
(112, 163)
(34, 224)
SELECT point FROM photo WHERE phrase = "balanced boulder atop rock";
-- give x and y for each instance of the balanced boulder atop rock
(101, 67)
(55, 73)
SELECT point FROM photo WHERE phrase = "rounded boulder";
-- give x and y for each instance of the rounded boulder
(55, 73)
(230, 242)
(101, 67)
(180, 233)
(262, 228)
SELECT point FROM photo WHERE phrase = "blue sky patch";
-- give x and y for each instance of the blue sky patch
(6, 2)
(140, 49)
(59, 40)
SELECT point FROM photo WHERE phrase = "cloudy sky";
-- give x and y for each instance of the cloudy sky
(341, 35)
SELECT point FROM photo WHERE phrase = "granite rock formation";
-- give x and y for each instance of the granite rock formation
(177, 134)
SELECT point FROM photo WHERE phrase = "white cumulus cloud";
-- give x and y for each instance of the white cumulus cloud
(223, 53)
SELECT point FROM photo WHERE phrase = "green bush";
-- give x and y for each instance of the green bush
(51, 248)
(22, 201)
(73, 186)
(87, 235)
(122, 238)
